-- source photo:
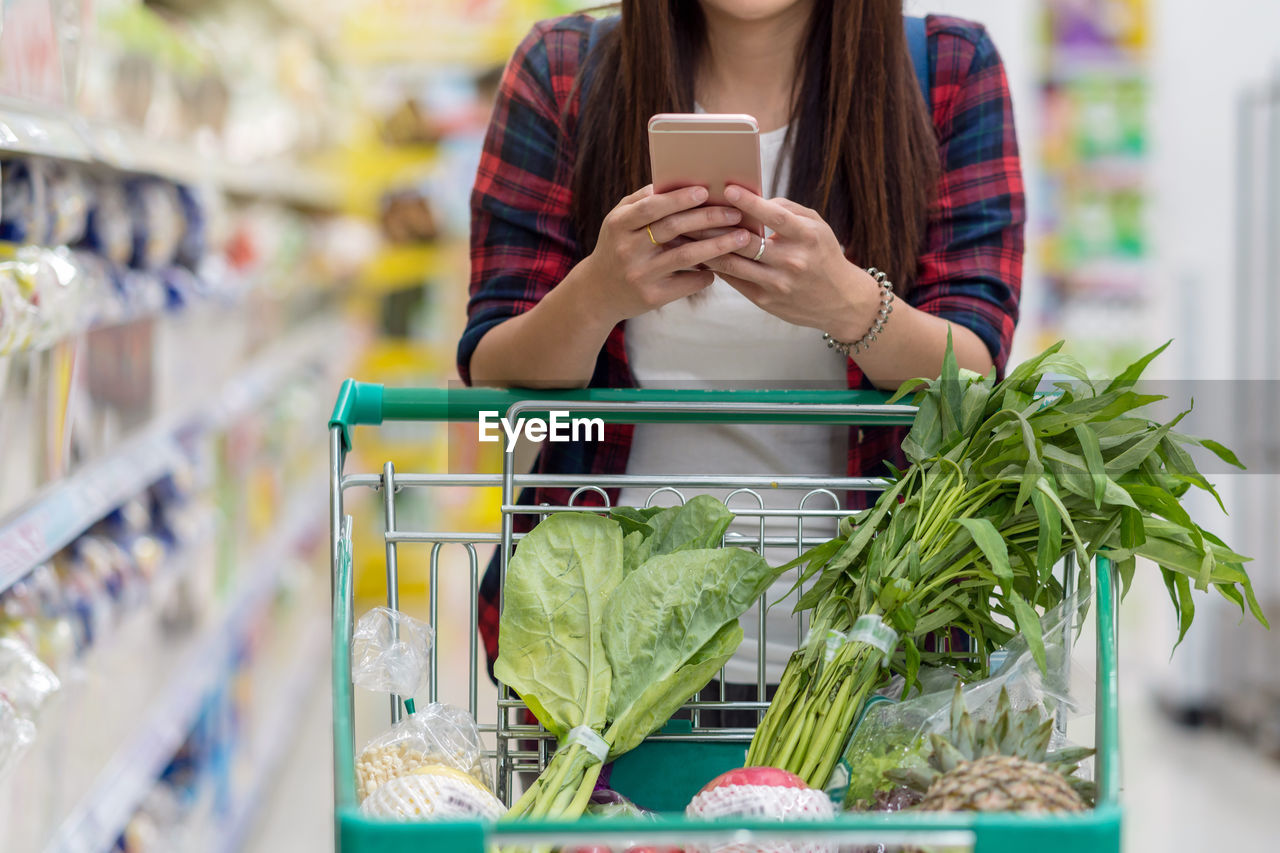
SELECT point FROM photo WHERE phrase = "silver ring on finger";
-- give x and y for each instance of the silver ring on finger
(760, 251)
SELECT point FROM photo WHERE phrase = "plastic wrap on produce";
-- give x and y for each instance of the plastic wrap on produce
(435, 735)
(433, 792)
(390, 652)
(894, 735)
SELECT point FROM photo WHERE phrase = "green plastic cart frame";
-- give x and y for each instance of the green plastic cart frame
(363, 404)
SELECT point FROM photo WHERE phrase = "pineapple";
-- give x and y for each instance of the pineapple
(1001, 766)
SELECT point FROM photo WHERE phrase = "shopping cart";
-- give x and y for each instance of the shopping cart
(670, 754)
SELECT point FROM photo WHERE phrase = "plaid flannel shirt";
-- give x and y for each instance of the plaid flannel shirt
(523, 243)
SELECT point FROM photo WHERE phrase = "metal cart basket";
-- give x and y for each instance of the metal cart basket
(675, 749)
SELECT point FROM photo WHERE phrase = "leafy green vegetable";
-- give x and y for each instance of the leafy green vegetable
(673, 604)
(551, 647)
(612, 624)
(698, 523)
(1003, 484)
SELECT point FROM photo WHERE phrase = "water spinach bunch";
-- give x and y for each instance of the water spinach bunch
(1005, 479)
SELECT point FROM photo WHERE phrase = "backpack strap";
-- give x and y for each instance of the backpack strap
(918, 46)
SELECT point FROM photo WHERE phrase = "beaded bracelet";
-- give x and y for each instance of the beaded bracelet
(882, 317)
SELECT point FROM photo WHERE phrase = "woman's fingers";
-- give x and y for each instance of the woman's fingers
(747, 270)
(649, 209)
(754, 292)
(643, 192)
(797, 208)
(773, 215)
(689, 255)
(695, 222)
(682, 284)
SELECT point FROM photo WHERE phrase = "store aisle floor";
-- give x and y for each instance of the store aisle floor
(297, 815)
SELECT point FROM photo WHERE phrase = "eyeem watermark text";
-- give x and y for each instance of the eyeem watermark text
(558, 426)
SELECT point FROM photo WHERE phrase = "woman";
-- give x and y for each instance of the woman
(577, 264)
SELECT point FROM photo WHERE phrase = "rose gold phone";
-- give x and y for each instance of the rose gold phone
(706, 150)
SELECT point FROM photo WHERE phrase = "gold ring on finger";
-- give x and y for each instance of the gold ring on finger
(651, 237)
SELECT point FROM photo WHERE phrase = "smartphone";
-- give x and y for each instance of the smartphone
(709, 150)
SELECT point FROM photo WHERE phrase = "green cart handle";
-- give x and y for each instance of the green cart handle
(366, 403)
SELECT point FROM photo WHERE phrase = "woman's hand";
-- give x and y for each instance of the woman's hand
(632, 269)
(803, 276)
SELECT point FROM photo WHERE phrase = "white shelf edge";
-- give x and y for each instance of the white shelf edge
(35, 129)
(66, 508)
(278, 732)
(95, 823)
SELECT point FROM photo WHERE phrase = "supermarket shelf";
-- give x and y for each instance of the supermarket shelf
(65, 509)
(278, 733)
(32, 129)
(97, 821)
(402, 267)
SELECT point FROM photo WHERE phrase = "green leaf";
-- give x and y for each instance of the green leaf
(1126, 568)
(663, 613)
(1207, 564)
(925, 437)
(952, 392)
(1134, 455)
(972, 405)
(1049, 544)
(1180, 463)
(663, 697)
(551, 647)
(700, 522)
(992, 545)
(1029, 625)
(867, 527)
(911, 386)
(634, 551)
(1074, 475)
(912, 671)
(635, 519)
(1034, 466)
(1186, 606)
(1133, 372)
(1048, 491)
(1133, 531)
(1221, 451)
(1093, 459)
(814, 559)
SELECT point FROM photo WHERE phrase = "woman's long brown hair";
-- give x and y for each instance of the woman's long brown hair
(863, 149)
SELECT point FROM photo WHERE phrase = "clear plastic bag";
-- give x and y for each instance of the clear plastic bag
(893, 735)
(436, 734)
(390, 652)
(433, 793)
(25, 682)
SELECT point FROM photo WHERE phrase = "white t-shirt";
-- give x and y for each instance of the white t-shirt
(721, 340)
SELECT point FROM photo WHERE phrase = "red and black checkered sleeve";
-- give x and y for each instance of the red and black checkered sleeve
(971, 270)
(522, 236)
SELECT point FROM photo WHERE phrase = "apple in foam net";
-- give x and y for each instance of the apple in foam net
(763, 794)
